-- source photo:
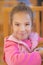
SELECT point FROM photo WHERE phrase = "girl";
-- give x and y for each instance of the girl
(19, 46)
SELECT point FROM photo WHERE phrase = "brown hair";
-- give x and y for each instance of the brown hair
(21, 7)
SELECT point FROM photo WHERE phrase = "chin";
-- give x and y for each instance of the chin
(22, 38)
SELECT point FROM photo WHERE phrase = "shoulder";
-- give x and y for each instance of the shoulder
(9, 42)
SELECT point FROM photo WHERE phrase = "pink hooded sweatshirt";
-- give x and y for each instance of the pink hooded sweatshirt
(14, 56)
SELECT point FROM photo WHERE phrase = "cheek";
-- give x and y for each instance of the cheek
(15, 29)
(29, 28)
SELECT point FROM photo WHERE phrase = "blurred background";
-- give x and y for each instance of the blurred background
(5, 8)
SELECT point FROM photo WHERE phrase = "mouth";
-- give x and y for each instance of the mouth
(22, 34)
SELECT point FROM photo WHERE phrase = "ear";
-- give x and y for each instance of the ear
(34, 26)
(10, 29)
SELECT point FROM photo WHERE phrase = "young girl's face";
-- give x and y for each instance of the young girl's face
(21, 25)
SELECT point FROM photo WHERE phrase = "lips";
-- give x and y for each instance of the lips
(22, 34)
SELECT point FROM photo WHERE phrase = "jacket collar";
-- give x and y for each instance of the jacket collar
(11, 38)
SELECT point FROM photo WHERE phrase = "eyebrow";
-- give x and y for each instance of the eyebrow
(17, 22)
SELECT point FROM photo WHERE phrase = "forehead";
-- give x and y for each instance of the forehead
(21, 16)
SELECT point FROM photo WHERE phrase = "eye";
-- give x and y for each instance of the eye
(17, 24)
(27, 24)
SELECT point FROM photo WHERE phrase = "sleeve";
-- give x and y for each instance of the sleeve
(34, 39)
(14, 57)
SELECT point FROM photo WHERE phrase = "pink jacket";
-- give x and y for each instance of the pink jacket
(13, 55)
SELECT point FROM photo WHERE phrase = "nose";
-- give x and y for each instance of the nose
(22, 28)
